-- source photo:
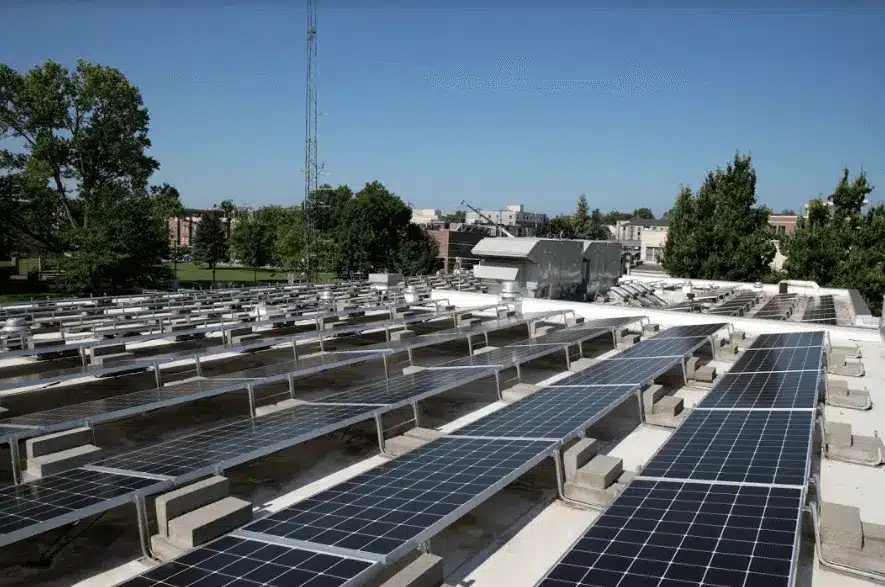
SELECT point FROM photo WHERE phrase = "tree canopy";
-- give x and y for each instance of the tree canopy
(842, 247)
(584, 224)
(210, 240)
(720, 232)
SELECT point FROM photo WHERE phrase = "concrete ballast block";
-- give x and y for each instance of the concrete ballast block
(651, 395)
(426, 434)
(185, 499)
(578, 455)
(705, 374)
(59, 441)
(600, 472)
(840, 525)
(424, 571)
(838, 433)
(691, 366)
(210, 521)
(412, 369)
(401, 334)
(669, 406)
(39, 467)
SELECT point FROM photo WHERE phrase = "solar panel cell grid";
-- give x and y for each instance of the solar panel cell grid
(628, 372)
(235, 441)
(672, 534)
(789, 390)
(664, 347)
(407, 387)
(788, 340)
(690, 331)
(384, 509)
(553, 413)
(786, 359)
(737, 446)
(235, 562)
(42, 500)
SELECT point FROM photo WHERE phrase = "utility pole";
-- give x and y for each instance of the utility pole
(311, 163)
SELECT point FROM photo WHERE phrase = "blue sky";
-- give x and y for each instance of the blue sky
(498, 104)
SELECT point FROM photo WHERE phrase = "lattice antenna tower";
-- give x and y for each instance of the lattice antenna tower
(311, 162)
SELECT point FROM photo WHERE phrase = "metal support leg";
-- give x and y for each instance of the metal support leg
(409, 353)
(518, 373)
(424, 547)
(486, 336)
(322, 344)
(469, 345)
(380, 429)
(641, 406)
(198, 366)
(16, 462)
(498, 385)
(581, 349)
(143, 530)
(684, 372)
(386, 367)
(291, 379)
(568, 361)
(82, 356)
(712, 339)
(158, 378)
(558, 471)
(251, 391)
(416, 413)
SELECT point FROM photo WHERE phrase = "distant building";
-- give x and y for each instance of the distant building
(426, 216)
(454, 245)
(182, 229)
(652, 239)
(828, 202)
(631, 230)
(783, 223)
(513, 218)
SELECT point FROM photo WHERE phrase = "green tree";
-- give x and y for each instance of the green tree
(81, 165)
(418, 252)
(720, 233)
(559, 227)
(845, 248)
(210, 241)
(123, 248)
(581, 219)
(252, 241)
(326, 205)
(374, 224)
(643, 213)
(459, 216)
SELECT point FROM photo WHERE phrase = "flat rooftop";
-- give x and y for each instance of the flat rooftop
(518, 531)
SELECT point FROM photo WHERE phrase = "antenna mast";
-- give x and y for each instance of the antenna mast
(311, 163)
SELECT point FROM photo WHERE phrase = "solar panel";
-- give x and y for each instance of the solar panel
(783, 359)
(778, 307)
(787, 340)
(388, 509)
(628, 372)
(231, 444)
(691, 331)
(821, 310)
(238, 562)
(737, 446)
(784, 390)
(503, 357)
(664, 347)
(61, 499)
(660, 534)
(407, 388)
(569, 336)
(552, 413)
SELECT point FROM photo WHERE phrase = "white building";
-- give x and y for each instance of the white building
(425, 216)
(514, 218)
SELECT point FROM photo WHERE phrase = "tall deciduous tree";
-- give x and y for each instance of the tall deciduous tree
(326, 205)
(643, 213)
(843, 247)
(720, 233)
(252, 241)
(210, 241)
(79, 167)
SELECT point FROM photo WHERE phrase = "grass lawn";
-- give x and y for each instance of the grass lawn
(27, 297)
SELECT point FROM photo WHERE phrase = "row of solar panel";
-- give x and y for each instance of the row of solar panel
(821, 310)
(25, 509)
(720, 503)
(386, 511)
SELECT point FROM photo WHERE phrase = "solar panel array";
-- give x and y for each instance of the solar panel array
(721, 503)
(736, 306)
(199, 454)
(383, 513)
(778, 307)
(821, 310)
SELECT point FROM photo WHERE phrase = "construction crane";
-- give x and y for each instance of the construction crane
(497, 225)
(311, 162)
